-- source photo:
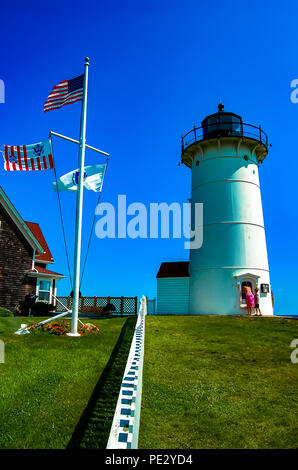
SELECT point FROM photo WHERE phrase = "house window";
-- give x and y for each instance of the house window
(44, 291)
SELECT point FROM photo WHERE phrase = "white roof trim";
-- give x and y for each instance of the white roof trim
(42, 261)
(247, 275)
(52, 276)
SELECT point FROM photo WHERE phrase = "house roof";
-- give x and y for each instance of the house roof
(39, 270)
(19, 222)
(46, 256)
(174, 269)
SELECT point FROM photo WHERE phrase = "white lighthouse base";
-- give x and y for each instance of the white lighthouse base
(218, 291)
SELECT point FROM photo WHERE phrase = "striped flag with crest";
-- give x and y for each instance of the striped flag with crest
(66, 92)
(28, 157)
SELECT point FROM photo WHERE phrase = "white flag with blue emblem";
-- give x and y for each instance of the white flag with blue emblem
(93, 179)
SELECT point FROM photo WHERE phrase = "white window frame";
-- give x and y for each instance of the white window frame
(42, 290)
(246, 277)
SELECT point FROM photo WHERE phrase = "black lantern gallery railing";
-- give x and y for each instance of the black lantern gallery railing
(224, 129)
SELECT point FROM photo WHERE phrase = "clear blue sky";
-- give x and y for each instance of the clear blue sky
(157, 67)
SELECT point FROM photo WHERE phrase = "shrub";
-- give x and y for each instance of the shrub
(38, 308)
(22, 308)
(4, 312)
(42, 308)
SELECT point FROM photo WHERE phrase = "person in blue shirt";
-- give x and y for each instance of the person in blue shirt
(257, 302)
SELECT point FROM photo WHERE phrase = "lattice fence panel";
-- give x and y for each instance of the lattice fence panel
(95, 305)
(117, 303)
(101, 301)
(130, 304)
(64, 301)
(88, 305)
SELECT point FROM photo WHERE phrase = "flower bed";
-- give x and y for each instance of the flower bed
(63, 327)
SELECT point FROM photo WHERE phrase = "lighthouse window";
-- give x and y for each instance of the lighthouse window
(222, 124)
(212, 125)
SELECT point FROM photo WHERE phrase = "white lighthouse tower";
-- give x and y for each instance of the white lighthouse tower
(224, 155)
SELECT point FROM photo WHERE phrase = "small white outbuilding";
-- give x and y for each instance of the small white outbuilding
(173, 288)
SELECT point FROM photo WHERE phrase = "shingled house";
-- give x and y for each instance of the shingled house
(24, 256)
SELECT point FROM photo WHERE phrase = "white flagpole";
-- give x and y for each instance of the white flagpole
(79, 209)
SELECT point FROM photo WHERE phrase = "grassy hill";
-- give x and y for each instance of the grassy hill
(219, 382)
(46, 383)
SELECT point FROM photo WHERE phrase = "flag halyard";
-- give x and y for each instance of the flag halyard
(66, 92)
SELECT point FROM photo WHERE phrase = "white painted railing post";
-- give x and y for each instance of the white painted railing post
(124, 432)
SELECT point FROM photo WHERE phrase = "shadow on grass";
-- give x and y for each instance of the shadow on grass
(93, 428)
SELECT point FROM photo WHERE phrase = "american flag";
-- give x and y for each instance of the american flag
(28, 157)
(66, 92)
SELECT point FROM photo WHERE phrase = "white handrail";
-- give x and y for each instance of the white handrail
(124, 433)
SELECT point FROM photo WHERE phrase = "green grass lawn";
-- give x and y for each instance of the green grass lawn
(46, 382)
(93, 430)
(219, 382)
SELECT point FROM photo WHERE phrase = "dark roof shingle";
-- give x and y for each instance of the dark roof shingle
(174, 269)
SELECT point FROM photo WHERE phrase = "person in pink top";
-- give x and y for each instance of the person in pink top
(250, 301)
